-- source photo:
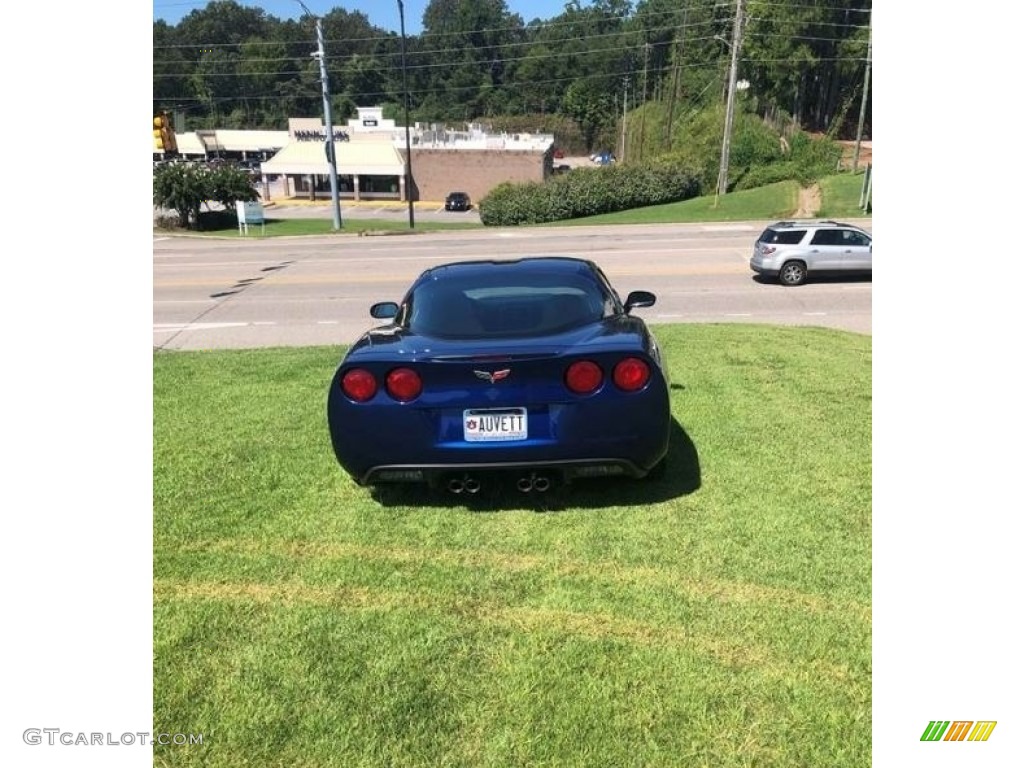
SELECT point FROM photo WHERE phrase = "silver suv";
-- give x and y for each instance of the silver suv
(792, 251)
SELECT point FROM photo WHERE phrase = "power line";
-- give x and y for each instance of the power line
(487, 64)
(503, 60)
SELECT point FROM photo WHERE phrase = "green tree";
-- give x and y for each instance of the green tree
(228, 184)
(184, 187)
(591, 106)
(807, 59)
(170, 65)
(180, 187)
(228, 64)
(470, 44)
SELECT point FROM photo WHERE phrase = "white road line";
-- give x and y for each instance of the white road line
(175, 327)
(184, 301)
(218, 264)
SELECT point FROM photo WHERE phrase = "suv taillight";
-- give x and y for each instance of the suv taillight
(767, 249)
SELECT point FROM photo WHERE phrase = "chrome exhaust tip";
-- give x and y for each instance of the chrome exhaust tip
(525, 483)
(455, 485)
(471, 485)
(542, 483)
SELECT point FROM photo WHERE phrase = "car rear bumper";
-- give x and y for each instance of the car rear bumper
(476, 474)
(764, 266)
(386, 443)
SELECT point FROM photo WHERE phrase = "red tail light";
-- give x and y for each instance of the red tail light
(404, 384)
(767, 249)
(631, 374)
(359, 384)
(583, 377)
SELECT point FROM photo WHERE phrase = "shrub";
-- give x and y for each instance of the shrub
(167, 221)
(813, 157)
(587, 192)
(763, 175)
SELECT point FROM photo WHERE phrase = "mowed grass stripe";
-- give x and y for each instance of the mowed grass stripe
(599, 570)
(595, 626)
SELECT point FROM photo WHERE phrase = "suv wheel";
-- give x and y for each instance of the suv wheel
(793, 273)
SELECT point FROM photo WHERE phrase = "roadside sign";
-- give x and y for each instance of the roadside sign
(249, 213)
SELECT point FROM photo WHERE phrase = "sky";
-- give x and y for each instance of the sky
(381, 13)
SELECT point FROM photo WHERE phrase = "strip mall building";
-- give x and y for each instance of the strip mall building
(370, 158)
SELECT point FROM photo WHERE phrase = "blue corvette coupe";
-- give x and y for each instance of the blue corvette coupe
(533, 370)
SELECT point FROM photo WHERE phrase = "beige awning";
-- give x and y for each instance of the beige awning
(250, 141)
(189, 143)
(358, 158)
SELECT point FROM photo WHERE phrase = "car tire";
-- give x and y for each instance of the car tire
(793, 273)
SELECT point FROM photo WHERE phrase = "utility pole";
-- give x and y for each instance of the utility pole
(625, 87)
(863, 101)
(408, 147)
(730, 103)
(321, 56)
(643, 101)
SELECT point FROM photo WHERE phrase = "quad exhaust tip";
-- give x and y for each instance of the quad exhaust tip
(534, 482)
(471, 484)
(467, 483)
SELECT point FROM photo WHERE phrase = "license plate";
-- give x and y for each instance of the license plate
(494, 424)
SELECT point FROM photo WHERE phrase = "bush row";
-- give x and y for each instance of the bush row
(588, 192)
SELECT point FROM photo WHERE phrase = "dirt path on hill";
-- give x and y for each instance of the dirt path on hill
(809, 203)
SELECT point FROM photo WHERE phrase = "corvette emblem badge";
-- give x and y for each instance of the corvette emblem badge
(493, 377)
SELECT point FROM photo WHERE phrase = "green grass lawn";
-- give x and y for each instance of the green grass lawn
(773, 201)
(840, 196)
(719, 617)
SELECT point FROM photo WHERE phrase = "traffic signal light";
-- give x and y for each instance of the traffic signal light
(163, 134)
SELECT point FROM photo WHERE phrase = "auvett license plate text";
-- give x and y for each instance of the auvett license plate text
(495, 425)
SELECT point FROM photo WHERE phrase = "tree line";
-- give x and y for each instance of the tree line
(232, 66)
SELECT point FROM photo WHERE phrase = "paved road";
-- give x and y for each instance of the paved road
(253, 292)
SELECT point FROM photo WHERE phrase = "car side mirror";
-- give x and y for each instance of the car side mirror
(639, 299)
(384, 310)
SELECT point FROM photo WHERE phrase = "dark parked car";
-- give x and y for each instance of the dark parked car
(457, 201)
(533, 370)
